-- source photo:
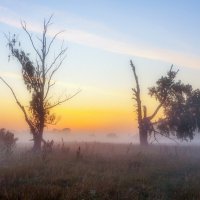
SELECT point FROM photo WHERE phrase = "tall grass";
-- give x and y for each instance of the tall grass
(102, 171)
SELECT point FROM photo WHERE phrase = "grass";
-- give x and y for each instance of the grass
(102, 172)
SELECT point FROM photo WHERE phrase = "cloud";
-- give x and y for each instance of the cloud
(96, 41)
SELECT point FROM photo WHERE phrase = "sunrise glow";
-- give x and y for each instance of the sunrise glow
(100, 46)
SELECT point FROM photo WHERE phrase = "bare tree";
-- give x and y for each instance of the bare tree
(180, 105)
(140, 117)
(38, 78)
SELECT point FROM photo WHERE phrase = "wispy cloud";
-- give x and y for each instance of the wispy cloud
(96, 41)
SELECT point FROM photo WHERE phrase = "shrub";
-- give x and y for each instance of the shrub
(7, 141)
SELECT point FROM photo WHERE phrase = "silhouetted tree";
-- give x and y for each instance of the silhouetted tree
(180, 105)
(38, 77)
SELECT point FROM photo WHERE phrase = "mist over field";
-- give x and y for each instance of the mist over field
(59, 136)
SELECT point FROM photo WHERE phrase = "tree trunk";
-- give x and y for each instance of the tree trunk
(143, 130)
(143, 137)
(37, 143)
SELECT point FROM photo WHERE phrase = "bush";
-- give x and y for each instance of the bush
(7, 141)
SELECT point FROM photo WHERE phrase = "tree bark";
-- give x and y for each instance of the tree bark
(37, 145)
(143, 137)
(143, 131)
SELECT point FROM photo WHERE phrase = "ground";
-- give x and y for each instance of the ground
(102, 171)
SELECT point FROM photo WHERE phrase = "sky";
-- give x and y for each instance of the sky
(102, 36)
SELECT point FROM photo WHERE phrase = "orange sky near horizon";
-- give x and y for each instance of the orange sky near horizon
(117, 117)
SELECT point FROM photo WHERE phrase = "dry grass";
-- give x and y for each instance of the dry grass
(102, 171)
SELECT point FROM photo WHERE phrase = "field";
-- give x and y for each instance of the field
(102, 171)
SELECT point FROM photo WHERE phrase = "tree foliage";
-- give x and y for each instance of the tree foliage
(182, 116)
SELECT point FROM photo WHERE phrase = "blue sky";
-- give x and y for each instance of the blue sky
(149, 26)
(102, 36)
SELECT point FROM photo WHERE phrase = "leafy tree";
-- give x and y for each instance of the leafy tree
(37, 78)
(7, 141)
(180, 105)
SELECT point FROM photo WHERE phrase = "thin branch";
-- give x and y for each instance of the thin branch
(48, 88)
(18, 103)
(172, 68)
(39, 39)
(23, 24)
(168, 137)
(56, 58)
(155, 138)
(50, 78)
(156, 111)
(64, 100)
(51, 42)
(160, 120)
(49, 20)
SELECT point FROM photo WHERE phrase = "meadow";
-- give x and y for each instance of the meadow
(102, 171)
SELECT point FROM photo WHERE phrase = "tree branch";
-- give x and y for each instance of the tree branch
(23, 24)
(156, 111)
(64, 100)
(51, 42)
(59, 55)
(18, 103)
(168, 137)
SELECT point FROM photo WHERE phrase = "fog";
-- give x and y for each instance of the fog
(24, 137)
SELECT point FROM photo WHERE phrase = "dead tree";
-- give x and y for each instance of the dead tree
(142, 119)
(38, 79)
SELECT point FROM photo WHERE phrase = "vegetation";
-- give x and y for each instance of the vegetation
(180, 104)
(104, 172)
(7, 142)
(37, 78)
